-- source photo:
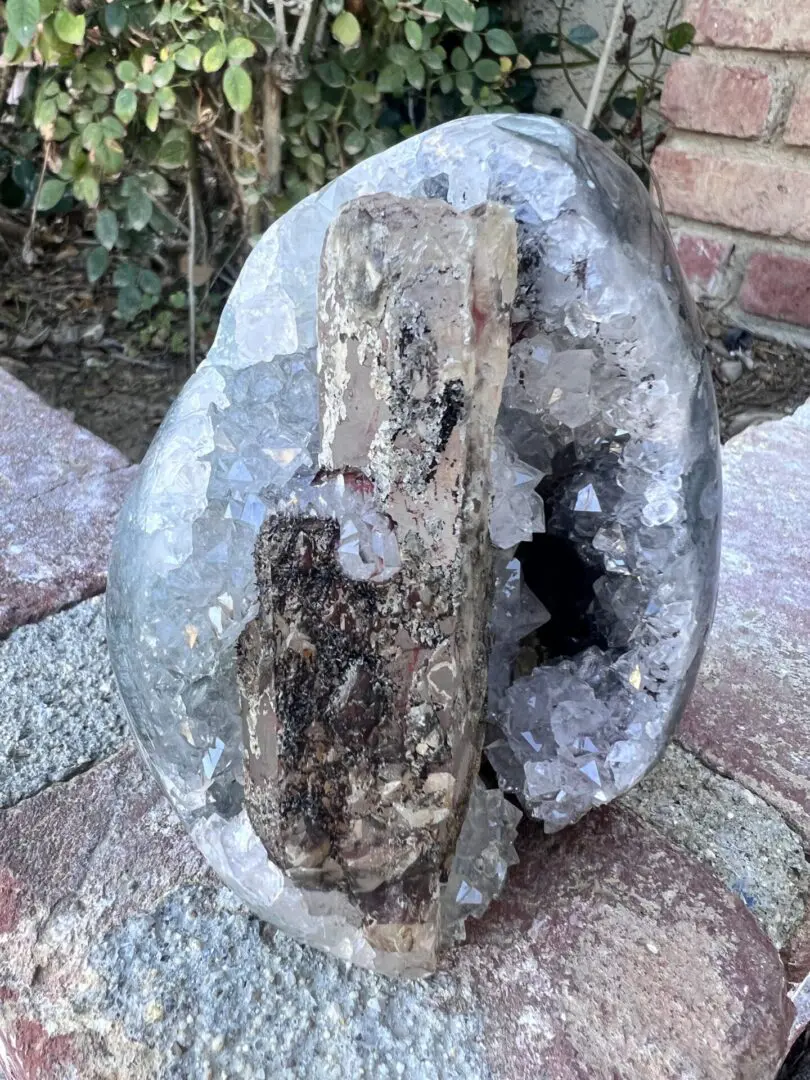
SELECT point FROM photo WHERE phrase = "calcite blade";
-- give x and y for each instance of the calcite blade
(364, 678)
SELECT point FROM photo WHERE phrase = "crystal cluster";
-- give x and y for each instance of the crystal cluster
(604, 515)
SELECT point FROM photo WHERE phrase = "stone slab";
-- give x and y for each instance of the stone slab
(739, 836)
(611, 950)
(59, 706)
(60, 490)
(748, 717)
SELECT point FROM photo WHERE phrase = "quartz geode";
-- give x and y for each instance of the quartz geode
(448, 479)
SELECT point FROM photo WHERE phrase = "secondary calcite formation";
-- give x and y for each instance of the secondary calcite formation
(364, 678)
(449, 476)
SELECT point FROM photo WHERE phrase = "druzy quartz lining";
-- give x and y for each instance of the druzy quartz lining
(603, 523)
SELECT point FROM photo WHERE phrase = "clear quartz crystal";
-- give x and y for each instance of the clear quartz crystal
(607, 410)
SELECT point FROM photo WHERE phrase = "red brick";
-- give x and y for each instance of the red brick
(60, 491)
(701, 259)
(780, 25)
(701, 95)
(759, 197)
(611, 953)
(778, 287)
(748, 715)
(797, 130)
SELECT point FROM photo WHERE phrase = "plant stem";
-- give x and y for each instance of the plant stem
(607, 51)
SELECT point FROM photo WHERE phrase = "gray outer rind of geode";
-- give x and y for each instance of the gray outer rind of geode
(608, 398)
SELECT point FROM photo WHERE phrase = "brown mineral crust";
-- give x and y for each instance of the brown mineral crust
(363, 701)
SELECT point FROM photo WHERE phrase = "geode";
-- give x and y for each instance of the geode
(429, 540)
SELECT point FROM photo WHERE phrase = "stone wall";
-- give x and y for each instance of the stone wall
(735, 172)
(554, 93)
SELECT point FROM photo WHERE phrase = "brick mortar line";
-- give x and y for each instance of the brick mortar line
(747, 151)
(779, 245)
(76, 773)
(793, 334)
(718, 771)
(747, 51)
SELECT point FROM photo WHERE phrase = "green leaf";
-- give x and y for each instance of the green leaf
(145, 83)
(363, 113)
(22, 17)
(501, 43)
(188, 58)
(487, 70)
(432, 61)
(366, 91)
(52, 191)
(149, 282)
(413, 34)
(126, 104)
(166, 98)
(139, 209)
(115, 18)
(125, 274)
(465, 82)
(173, 151)
(215, 57)
(238, 89)
(153, 115)
(582, 35)
(101, 80)
(106, 228)
(311, 94)
(481, 19)
(446, 83)
(461, 13)
(472, 46)
(399, 54)
(129, 302)
(334, 7)
(459, 59)
(69, 27)
(85, 188)
(354, 142)
(391, 79)
(241, 48)
(112, 128)
(415, 73)
(61, 128)
(163, 73)
(126, 71)
(97, 262)
(680, 36)
(433, 9)
(331, 74)
(346, 30)
(92, 136)
(45, 112)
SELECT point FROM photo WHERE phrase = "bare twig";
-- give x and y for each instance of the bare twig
(319, 38)
(607, 52)
(304, 17)
(252, 150)
(262, 13)
(281, 25)
(271, 123)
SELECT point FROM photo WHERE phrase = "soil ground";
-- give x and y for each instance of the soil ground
(61, 337)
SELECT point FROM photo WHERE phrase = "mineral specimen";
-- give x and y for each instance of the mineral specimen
(360, 427)
(364, 678)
